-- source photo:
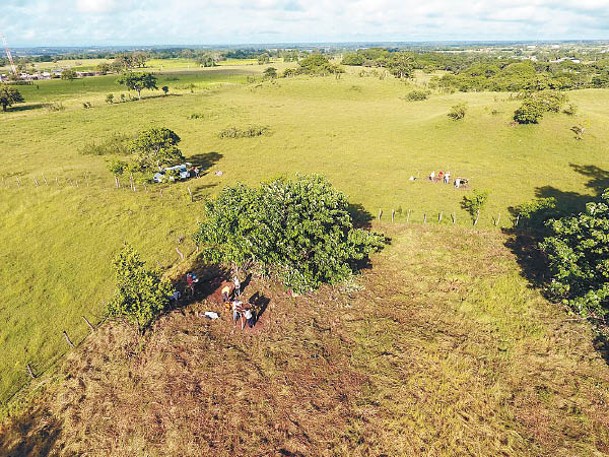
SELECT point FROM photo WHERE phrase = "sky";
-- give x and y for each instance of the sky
(209, 22)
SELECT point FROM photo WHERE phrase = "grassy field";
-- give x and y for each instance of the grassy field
(442, 349)
(59, 237)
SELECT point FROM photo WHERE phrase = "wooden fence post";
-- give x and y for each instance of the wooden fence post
(517, 220)
(380, 214)
(477, 216)
(440, 217)
(192, 198)
(408, 216)
(68, 340)
(30, 371)
(89, 324)
(392, 215)
(424, 218)
(454, 217)
(180, 253)
(498, 219)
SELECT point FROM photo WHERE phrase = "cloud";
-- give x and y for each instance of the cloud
(113, 22)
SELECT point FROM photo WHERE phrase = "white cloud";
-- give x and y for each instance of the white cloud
(141, 22)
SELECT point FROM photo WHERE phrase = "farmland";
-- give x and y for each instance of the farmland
(62, 219)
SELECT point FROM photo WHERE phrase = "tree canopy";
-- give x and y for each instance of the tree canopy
(138, 82)
(156, 147)
(577, 249)
(9, 96)
(298, 230)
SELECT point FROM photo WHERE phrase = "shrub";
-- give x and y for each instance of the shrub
(110, 99)
(118, 143)
(250, 132)
(140, 294)
(530, 112)
(417, 95)
(570, 109)
(458, 111)
(55, 106)
(297, 230)
(87, 105)
(578, 258)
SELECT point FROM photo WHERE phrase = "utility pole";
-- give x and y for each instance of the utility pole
(9, 55)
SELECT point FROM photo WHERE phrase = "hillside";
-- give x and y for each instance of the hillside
(440, 349)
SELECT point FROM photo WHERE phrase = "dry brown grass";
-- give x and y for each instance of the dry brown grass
(445, 351)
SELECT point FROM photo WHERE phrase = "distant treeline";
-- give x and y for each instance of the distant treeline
(468, 71)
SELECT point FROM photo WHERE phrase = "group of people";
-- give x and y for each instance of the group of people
(440, 177)
(242, 312)
(445, 178)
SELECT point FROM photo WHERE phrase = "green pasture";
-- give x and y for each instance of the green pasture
(59, 236)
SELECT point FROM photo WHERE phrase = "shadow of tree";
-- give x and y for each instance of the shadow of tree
(28, 107)
(360, 216)
(524, 241)
(32, 434)
(205, 160)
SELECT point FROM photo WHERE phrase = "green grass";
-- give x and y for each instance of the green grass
(58, 239)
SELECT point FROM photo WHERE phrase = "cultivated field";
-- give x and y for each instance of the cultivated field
(59, 236)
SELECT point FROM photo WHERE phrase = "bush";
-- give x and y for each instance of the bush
(299, 231)
(530, 112)
(578, 258)
(417, 95)
(458, 111)
(570, 109)
(116, 144)
(250, 132)
(140, 294)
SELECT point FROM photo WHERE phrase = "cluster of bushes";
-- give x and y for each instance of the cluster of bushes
(249, 132)
(118, 143)
(536, 104)
(299, 231)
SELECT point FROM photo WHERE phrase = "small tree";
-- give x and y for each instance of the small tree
(474, 203)
(458, 111)
(138, 82)
(270, 73)
(401, 65)
(68, 74)
(110, 99)
(140, 294)
(9, 95)
(165, 90)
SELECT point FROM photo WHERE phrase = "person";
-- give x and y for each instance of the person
(237, 310)
(237, 285)
(440, 176)
(175, 297)
(432, 175)
(191, 279)
(225, 293)
(247, 316)
(457, 182)
(447, 177)
(197, 172)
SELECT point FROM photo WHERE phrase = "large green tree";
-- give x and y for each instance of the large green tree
(155, 148)
(299, 231)
(141, 295)
(9, 96)
(577, 249)
(138, 82)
